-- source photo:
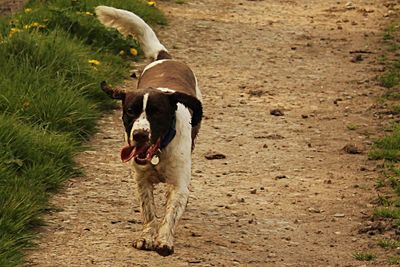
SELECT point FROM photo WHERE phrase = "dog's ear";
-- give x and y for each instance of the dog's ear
(190, 102)
(113, 93)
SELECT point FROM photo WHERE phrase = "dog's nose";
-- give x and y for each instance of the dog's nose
(140, 136)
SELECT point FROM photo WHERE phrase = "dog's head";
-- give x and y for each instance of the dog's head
(148, 115)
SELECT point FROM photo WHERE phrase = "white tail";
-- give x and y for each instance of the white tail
(128, 23)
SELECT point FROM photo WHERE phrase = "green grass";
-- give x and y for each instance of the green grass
(394, 260)
(387, 147)
(389, 243)
(50, 101)
(352, 127)
(364, 256)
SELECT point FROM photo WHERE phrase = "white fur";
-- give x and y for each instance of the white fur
(174, 169)
(165, 90)
(154, 63)
(198, 92)
(129, 23)
(142, 123)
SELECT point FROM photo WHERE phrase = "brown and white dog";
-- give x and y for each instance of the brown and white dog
(161, 119)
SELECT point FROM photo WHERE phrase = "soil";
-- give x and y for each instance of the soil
(8, 7)
(282, 190)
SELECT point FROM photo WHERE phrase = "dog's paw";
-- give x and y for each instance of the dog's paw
(164, 249)
(143, 243)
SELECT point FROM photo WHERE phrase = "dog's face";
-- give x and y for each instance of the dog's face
(148, 116)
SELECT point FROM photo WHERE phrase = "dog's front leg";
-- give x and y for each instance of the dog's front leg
(176, 204)
(146, 199)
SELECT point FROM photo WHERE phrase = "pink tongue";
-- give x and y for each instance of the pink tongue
(129, 152)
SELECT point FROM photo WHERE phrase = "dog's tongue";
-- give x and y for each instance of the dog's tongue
(129, 152)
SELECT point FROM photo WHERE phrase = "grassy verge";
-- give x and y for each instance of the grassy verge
(387, 149)
(53, 55)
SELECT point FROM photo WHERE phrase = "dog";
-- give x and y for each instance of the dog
(162, 118)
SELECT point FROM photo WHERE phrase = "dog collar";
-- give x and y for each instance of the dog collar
(170, 134)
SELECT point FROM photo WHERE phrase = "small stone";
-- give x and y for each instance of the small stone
(276, 112)
(278, 177)
(254, 191)
(351, 149)
(214, 155)
(193, 234)
(256, 92)
(339, 215)
(304, 116)
(314, 210)
(357, 58)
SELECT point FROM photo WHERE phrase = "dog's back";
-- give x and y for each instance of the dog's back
(163, 73)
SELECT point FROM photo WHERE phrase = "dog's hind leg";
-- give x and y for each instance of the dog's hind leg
(176, 204)
(146, 199)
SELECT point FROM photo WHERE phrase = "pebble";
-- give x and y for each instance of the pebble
(339, 215)
(351, 149)
(214, 155)
(276, 112)
(314, 210)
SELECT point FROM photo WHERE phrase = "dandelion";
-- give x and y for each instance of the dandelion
(28, 10)
(87, 13)
(94, 62)
(133, 51)
(13, 31)
(34, 25)
(151, 3)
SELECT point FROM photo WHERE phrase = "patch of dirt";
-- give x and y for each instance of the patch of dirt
(8, 7)
(292, 201)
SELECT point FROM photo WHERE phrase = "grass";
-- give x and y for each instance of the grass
(394, 260)
(352, 127)
(389, 243)
(387, 148)
(53, 56)
(364, 256)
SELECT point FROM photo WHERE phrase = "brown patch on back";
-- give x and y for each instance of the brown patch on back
(163, 55)
(169, 74)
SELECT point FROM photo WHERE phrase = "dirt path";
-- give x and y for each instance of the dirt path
(250, 57)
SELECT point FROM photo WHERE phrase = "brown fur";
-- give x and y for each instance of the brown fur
(169, 74)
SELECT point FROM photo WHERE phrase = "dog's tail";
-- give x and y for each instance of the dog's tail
(128, 23)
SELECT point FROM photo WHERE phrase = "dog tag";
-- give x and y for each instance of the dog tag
(155, 160)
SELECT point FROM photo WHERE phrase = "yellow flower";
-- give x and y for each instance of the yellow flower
(34, 25)
(94, 62)
(87, 13)
(151, 3)
(28, 10)
(12, 31)
(133, 51)
(122, 52)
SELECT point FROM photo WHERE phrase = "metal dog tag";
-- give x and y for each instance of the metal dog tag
(155, 160)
